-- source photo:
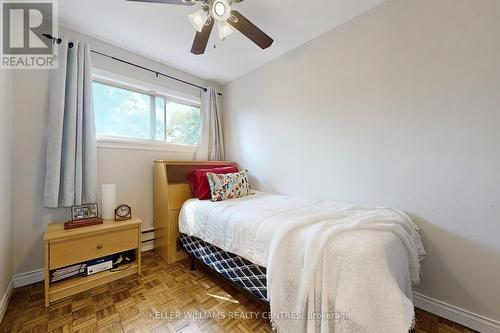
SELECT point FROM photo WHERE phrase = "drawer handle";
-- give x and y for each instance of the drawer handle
(99, 246)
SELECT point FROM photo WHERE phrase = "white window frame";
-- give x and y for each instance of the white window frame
(117, 142)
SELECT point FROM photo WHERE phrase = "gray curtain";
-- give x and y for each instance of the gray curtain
(211, 143)
(71, 159)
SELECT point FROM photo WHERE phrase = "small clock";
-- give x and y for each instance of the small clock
(123, 212)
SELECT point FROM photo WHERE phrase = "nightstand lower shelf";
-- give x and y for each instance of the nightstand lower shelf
(62, 289)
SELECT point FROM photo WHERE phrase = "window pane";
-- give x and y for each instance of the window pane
(183, 123)
(160, 119)
(121, 112)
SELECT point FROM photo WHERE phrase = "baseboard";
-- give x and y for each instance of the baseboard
(453, 313)
(6, 298)
(24, 279)
(148, 246)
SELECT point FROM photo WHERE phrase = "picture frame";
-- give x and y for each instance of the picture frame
(84, 212)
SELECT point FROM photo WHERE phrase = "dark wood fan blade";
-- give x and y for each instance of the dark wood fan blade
(168, 2)
(201, 38)
(237, 1)
(250, 30)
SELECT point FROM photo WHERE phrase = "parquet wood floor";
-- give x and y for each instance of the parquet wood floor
(160, 300)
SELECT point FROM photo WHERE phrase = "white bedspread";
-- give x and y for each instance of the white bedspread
(324, 257)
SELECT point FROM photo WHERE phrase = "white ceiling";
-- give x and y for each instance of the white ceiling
(164, 33)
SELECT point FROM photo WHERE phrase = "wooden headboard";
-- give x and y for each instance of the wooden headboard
(170, 192)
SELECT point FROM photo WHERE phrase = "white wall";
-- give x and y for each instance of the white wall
(131, 170)
(5, 176)
(399, 106)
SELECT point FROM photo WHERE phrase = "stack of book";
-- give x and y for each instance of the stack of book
(69, 272)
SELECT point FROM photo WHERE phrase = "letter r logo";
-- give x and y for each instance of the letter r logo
(23, 26)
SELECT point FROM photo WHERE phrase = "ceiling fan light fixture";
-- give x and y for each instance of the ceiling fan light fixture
(198, 19)
(220, 10)
(227, 19)
(224, 30)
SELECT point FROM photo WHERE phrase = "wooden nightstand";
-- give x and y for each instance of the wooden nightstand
(69, 247)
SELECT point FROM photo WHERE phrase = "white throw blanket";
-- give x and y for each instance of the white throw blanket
(323, 292)
(359, 261)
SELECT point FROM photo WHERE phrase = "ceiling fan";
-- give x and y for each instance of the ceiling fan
(219, 12)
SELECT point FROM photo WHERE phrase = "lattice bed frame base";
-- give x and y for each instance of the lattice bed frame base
(238, 271)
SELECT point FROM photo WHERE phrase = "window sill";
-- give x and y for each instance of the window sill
(147, 145)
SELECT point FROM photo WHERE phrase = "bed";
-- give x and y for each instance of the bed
(270, 244)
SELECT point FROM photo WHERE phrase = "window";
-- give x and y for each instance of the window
(134, 115)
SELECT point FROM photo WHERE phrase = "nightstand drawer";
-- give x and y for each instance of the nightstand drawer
(72, 251)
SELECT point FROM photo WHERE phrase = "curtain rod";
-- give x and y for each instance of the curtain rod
(157, 73)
